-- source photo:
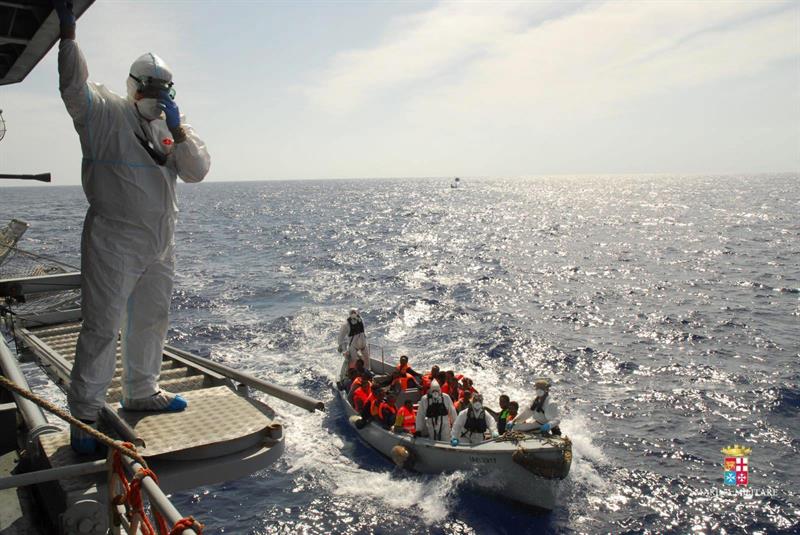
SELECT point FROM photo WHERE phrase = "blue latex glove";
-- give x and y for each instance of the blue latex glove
(495, 434)
(509, 426)
(454, 442)
(170, 109)
(63, 9)
(545, 428)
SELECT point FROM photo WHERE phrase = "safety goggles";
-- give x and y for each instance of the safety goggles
(153, 87)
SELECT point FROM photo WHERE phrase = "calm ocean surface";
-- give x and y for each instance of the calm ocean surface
(666, 309)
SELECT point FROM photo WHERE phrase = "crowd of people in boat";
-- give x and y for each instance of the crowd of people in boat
(441, 404)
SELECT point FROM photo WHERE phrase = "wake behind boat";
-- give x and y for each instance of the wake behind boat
(525, 467)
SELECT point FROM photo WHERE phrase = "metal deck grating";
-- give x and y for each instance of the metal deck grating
(175, 376)
(214, 416)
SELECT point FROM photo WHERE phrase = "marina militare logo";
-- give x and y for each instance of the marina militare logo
(735, 466)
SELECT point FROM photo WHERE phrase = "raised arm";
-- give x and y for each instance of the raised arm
(192, 160)
(73, 73)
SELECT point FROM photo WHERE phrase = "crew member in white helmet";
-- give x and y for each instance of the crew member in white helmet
(473, 423)
(134, 149)
(540, 415)
(436, 414)
(353, 340)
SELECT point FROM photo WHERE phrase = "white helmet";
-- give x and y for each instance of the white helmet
(147, 67)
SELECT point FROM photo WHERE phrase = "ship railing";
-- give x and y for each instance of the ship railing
(158, 502)
(37, 424)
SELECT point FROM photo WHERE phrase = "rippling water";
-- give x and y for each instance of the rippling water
(666, 309)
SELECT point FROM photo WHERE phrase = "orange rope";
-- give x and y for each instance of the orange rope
(186, 523)
(132, 496)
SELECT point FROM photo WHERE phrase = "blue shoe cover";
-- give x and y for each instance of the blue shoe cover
(177, 404)
(82, 443)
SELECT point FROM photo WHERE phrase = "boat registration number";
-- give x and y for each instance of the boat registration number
(483, 460)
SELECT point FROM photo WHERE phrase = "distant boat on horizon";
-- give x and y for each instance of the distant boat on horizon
(456, 183)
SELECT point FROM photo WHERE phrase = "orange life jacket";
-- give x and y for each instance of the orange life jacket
(362, 398)
(402, 368)
(387, 412)
(403, 381)
(407, 419)
(426, 383)
(356, 383)
(374, 407)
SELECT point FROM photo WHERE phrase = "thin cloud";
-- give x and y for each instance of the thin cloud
(509, 60)
(419, 47)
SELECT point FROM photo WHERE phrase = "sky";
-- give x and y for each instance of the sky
(328, 89)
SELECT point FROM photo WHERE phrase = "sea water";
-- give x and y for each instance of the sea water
(666, 309)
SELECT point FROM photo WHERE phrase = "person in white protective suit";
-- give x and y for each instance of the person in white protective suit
(541, 415)
(134, 148)
(473, 423)
(353, 340)
(436, 413)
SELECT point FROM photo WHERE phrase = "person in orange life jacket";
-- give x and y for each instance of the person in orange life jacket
(406, 418)
(362, 397)
(453, 375)
(435, 414)
(403, 367)
(502, 416)
(353, 339)
(453, 389)
(466, 385)
(464, 401)
(375, 403)
(427, 378)
(387, 411)
(472, 424)
(442, 380)
(513, 410)
(354, 385)
(541, 415)
(402, 381)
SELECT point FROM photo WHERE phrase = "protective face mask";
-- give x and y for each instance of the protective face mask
(148, 108)
(538, 393)
(436, 396)
(477, 407)
(353, 320)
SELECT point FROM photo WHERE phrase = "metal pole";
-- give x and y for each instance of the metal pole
(52, 474)
(126, 432)
(31, 413)
(157, 497)
(301, 400)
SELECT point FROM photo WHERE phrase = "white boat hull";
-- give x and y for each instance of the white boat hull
(527, 471)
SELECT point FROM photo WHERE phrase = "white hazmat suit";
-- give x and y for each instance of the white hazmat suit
(127, 245)
(437, 425)
(353, 340)
(529, 419)
(461, 432)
